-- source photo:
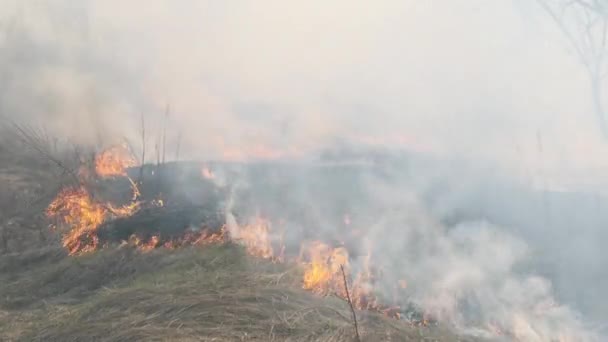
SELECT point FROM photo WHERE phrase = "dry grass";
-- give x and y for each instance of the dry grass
(211, 293)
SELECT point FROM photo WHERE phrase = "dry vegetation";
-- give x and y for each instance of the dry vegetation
(199, 293)
(210, 293)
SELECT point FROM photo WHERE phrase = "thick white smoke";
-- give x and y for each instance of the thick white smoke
(472, 274)
(467, 80)
(466, 77)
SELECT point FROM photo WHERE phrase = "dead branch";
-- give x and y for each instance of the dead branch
(350, 303)
(164, 135)
(37, 140)
(140, 177)
(179, 143)
(588, 41)
(157, 151)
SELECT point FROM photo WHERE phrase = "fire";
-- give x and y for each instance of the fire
(206, 237)
(322, 271)
(73, 206)
(256, 238)
(202, 238)
(191, 238)
(114, 161)
(317, 277)
(325, 266)
(76, 208)
(144, 246)
(323, 275)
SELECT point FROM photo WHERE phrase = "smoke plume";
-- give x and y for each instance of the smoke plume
(497, 212)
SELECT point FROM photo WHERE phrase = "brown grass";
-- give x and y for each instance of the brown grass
(211, 293)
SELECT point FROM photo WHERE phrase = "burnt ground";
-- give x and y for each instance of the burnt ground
(207, 293)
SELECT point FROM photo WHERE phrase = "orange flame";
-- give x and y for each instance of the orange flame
(114, 161)
(76, 208)
(144, 246)
(256, 238)
(73, 206)
(322, 272)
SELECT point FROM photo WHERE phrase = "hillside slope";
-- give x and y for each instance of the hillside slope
(205, 293)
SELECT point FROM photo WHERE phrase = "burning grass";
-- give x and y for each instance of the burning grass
(166, 282)
(321, 262)
(114, 161)
(76, 208)
(85, 223)
(208, 293)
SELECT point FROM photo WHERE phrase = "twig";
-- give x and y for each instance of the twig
(179, 144)
(350, 302)
(593, 17)
(164, 134)
(140, 178)
(35, 140)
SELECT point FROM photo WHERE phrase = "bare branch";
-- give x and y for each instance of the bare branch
(140, 178)
(164, 136)
(350, 303)
(35, 140)
(588, 39)
(565, 31)
(179, 144)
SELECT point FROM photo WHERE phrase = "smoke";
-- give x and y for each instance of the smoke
(470, 78)
(474, 273)
(461, 83)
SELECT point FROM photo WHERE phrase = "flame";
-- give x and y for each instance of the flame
(144, 246)
(202, 237)
(317, 277)
(114, 161)
(76, 208)
(322, 272)
(256, 238)
(73, 206)
(323, 264)
(323, 275)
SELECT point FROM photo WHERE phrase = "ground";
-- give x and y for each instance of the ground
(197, 293)
(202, 293)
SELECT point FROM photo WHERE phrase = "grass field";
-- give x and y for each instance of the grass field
(206, 293)
(197, 293)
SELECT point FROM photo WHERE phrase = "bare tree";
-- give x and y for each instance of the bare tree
(584, 23)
